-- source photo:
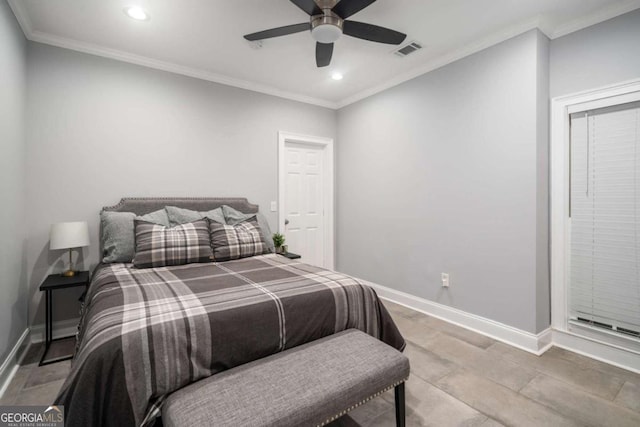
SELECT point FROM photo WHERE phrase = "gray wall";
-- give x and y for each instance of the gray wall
(441, 174)
(600, 55)
(13, 290)
(106, 129)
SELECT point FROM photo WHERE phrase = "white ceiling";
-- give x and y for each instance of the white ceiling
(203, 38)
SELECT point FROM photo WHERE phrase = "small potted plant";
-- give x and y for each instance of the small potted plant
(278, 242)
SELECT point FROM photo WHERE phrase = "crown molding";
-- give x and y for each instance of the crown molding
(21, 15)
(550, 30)
(144, 61)
(446, 59)
(594, 18)
(40, 37)
(542, 24)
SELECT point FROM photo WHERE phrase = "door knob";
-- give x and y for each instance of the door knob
(286, 222)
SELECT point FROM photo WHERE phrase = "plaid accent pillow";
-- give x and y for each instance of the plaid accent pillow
(240, 240)
(159, 246)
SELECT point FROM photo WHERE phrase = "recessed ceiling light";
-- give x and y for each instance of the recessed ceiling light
(136, 13)
(336, 76)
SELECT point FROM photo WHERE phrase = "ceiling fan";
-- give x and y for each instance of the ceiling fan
(328, 21)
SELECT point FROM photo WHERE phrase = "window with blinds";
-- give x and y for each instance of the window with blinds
(605, 219)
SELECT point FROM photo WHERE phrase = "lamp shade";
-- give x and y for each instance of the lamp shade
(67, 235)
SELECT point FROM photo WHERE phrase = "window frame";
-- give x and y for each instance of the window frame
(561, 109)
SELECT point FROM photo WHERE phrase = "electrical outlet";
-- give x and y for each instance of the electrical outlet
(445, 280)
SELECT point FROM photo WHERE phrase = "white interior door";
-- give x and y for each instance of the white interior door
(305, 196)
(304, 201)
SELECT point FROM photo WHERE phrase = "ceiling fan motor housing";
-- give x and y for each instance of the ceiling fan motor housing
(326, 28)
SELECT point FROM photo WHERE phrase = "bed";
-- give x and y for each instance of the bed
(145, 333)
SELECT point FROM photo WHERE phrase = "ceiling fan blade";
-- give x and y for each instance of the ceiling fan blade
(277, 32)
(323, 54)
(372, 33)
(346, 8)
(308, 6)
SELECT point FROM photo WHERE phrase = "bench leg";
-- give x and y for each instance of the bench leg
(399, 394)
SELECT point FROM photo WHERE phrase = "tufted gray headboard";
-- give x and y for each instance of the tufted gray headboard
(144, 205)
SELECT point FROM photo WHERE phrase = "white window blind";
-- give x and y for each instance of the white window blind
(605, 219)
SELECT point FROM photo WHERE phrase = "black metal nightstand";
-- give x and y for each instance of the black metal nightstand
(291, 255)
(50, 284)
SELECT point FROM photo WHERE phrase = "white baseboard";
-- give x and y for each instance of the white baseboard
(598, 350)
(12, 362)
(61, 328)
(32, 335)
(533, 343)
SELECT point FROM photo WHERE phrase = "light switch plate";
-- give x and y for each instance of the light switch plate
(274, 206)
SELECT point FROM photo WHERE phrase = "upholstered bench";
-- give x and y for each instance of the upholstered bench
(309, 385)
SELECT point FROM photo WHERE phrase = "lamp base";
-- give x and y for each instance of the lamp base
(69, 272)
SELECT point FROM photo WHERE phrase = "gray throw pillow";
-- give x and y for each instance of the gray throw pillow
(157, 217)
(233, 216)
(179, 216)
(117, 236)
(118, 239)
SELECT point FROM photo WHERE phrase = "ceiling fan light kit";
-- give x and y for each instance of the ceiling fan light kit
(326, 28)
(328, 21)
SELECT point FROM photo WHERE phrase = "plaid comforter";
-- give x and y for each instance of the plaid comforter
(145, 333)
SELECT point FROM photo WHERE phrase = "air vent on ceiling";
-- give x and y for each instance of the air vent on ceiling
(408, 49)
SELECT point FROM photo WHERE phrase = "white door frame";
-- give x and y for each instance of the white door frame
(327, 164)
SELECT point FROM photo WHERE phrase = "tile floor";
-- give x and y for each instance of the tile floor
(458, 378)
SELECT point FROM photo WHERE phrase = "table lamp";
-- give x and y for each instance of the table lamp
(69, 235)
